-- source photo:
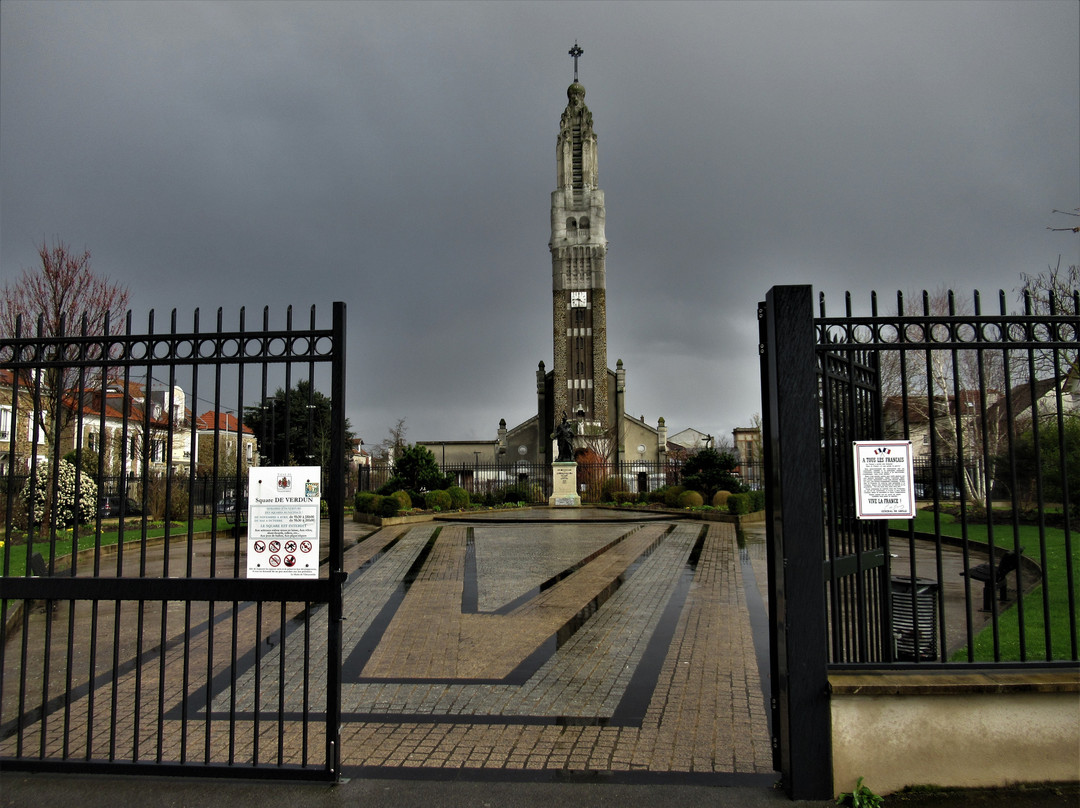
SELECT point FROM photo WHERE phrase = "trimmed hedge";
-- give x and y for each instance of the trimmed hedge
(720, 499)
(671, 495)
(437, 500)
(739, 503)
(403, 499)
(459, 497)
(690, 499)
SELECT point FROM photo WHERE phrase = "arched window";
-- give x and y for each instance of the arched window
(571, 226)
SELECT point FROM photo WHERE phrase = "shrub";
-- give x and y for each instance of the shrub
(655, 496)
(437, 500)
(611, 487)
(739, 503)
(388, 506)
(178, 502)
(364, 502)
(519, 492)
(720, 499)
(710, 471)
(691, 499)
(671, 495)
(403, 500)
(69, 507)
(459, 497)
(416, 469)
(625, 498)
(89, 461)
(757, 500)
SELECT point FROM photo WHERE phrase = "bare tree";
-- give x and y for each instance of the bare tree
(1054, 292)
(953, 399)
(392, 444)
(62, 297)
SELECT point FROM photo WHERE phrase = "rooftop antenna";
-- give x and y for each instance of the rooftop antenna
(575, 52)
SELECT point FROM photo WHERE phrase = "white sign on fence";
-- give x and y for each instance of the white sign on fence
(283, 521)
(884, 479)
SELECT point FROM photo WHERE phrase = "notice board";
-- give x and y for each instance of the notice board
(283, 521)
(884, 480)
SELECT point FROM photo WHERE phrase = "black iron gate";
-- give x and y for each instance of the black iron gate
(985, 575)
(131, 638)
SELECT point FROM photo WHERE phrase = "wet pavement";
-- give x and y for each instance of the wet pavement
(584, 657)
(537, 643)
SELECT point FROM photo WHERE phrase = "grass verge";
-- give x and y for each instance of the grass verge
(1046, 629)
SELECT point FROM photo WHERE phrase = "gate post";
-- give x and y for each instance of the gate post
(796, 542)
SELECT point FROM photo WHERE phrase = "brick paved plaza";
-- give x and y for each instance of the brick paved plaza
(555, 645)
(479, 665)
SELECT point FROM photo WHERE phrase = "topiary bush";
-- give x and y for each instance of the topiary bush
(757, 500)
(364, 502)
(459, 497)
(625, 498)
(690, 499)
(403, 500)
(388, 506)
(720, 499)
(437, 500)
(671, 495)
(739, 503)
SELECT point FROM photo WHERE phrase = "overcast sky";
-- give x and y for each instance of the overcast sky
(400, 157)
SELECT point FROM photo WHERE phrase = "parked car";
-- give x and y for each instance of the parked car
(112, 505)
(231, 510)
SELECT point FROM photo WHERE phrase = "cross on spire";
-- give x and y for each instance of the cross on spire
(575, 52)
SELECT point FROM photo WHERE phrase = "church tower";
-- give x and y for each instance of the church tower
(578, 249)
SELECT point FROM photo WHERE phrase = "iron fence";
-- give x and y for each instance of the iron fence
(986, 574)
(144, 644)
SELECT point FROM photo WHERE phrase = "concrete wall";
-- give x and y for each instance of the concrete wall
(952, 729)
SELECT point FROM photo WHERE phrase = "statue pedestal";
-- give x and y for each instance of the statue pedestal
(564, 485)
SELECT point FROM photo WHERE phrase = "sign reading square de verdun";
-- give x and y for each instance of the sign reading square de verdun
(283, 522)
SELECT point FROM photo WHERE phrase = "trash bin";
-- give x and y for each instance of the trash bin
(914, 633)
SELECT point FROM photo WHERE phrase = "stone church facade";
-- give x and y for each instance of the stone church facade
(580, 385)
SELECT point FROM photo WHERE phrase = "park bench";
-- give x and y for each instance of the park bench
(995, 576)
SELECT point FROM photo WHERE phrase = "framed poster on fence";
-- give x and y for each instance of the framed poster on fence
(884, 479)
(283, 521)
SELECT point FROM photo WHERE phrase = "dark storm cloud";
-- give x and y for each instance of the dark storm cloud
(399, 157)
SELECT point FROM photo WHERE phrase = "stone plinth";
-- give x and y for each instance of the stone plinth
(564, 485)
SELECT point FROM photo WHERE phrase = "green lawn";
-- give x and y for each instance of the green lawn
(1053, 562)
(109, 536)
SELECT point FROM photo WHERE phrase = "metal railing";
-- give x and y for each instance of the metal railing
(986, 574)
(144, 644)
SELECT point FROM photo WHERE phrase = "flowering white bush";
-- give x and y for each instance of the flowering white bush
(64, 509)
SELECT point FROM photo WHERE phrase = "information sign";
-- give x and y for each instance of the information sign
(283, 521)
(884, 479)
